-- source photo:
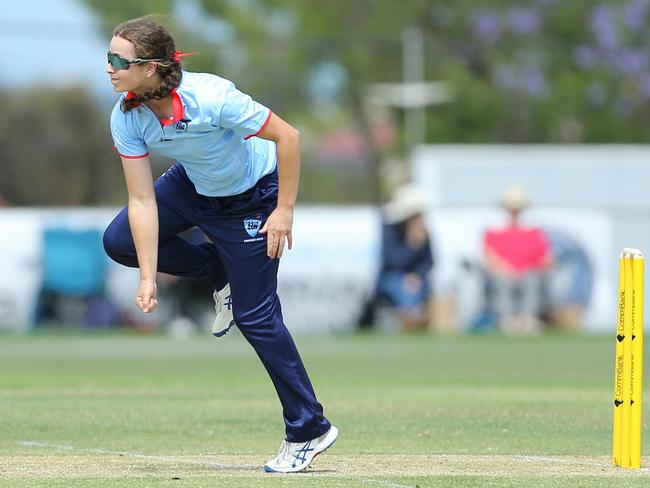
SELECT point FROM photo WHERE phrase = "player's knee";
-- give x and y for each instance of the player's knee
(254, 317)
(117, 243)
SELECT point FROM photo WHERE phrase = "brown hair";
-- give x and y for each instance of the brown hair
(151, 41)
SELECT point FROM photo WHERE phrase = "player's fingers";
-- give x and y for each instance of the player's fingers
(264, 228)
(272, 247)
(269, 245)
(289, 240)
(280, 246)
(146, 303)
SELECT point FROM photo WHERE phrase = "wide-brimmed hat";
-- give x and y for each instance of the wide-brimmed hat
(514, 198)
(408, 201)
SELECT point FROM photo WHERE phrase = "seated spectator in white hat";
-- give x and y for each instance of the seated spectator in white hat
(406, 258)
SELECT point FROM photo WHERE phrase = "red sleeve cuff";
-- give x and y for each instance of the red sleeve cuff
(266, 122)
(131, 157)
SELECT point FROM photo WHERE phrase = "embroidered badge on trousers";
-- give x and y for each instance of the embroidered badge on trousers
(253, 224)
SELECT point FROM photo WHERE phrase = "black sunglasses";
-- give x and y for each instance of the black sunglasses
(118, 62)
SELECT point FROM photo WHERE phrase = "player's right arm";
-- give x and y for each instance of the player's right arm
(143, 220)
(143, 211)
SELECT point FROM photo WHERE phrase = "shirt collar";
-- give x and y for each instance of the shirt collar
(177, 107)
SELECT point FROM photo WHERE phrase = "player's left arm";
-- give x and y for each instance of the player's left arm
(279, 224)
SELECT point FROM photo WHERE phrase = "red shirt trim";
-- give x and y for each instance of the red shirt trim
(266, 122)
(130, 157)
(177, 107)
(130, 95)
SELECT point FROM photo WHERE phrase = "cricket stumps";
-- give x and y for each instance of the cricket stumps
(628, 368)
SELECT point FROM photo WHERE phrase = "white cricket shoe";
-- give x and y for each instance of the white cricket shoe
(223, 307)
(296, 456)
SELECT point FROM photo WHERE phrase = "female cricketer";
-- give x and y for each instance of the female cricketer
(236, 178)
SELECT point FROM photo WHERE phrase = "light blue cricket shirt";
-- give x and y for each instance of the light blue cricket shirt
(211, 135)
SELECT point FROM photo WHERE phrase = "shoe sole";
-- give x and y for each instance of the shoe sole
(223, 332)
(326, 443)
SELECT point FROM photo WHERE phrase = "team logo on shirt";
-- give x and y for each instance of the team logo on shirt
(181, 125)
(252, 224)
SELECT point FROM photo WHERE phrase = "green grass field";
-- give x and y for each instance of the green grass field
(414, 411)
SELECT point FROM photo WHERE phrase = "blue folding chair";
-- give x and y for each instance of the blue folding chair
(74, 267)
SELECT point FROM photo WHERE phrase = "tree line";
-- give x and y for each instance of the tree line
(524, 71)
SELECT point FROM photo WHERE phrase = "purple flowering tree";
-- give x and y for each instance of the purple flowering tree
(528, 68)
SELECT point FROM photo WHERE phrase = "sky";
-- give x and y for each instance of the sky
(53, 42)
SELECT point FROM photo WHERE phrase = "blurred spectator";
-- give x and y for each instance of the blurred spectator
(516, 260)
(569, 283)
(404, 281)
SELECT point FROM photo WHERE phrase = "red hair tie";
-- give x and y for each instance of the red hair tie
(178, 55)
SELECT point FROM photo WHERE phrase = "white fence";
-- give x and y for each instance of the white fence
(325, 279)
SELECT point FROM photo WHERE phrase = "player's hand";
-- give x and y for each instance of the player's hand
(278, 228)
(146, 299)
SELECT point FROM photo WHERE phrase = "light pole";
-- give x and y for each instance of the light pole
(413, 94)
(413, 73)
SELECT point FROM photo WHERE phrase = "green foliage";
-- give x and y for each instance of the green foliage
(512, 63)
(116, 11)
(543, 71)
(55, 149)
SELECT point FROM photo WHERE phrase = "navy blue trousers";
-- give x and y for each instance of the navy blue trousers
(236, 254)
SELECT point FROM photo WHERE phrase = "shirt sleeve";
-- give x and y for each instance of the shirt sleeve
(127, 142)
(243, 115)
